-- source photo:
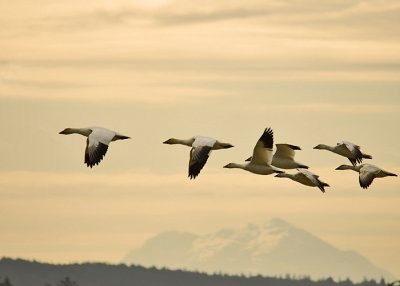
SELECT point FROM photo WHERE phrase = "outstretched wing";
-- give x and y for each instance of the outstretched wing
(285, 151)
(367, 176)
(201, 149)
(198, 158)
(94, 153)
(262, 152)
(355, 152)
(97, 146)
(313, 178)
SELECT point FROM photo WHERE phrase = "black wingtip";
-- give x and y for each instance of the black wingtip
(269, 131)
(192, 176)
(355, 161)
(97, 155)
(267, 138)
(193, 172)
(90, 164)
(364, 186)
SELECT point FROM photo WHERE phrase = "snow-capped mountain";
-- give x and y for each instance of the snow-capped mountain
(274, 248)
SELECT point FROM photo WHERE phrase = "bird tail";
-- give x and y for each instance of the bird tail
(391, 174)
(366, 156)
(121, 137)
(321, 186)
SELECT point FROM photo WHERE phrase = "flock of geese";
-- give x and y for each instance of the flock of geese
(262, 162)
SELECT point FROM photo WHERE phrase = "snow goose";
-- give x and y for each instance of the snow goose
(367, 173)
(305, 177)
(260, 162)
(346, 149)
(201, 149)
(284, 157)
(98, 139)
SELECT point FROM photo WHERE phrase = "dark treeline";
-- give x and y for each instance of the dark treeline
(19, 272)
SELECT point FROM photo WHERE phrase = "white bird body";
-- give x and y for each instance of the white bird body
(367, 173)
(260, 169)
(283, 157)
(305, 177)
(346, 149)
(260, 162)
(98, 139)
(201, 149)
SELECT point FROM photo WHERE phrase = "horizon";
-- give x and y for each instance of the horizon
(89, 278)
(316, 73)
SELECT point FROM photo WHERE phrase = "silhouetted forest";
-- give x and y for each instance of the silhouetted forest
(18, 272)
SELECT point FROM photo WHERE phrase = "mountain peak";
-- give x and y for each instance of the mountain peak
(274, 248)
(278, 222)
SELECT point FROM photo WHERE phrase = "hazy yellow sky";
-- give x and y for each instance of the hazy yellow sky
(314, 71)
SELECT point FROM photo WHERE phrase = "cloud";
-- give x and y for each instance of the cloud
(240, 13)
(161, 80)
(186, 50)
(354, 108)
(136, 179)
(43, 84)
(344, 14)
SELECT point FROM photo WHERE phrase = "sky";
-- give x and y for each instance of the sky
(314, 71)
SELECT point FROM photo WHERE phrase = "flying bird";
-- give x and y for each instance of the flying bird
(98, 139)
(305, 177)
(367, 173)
(201, 149)
(346, 149)
(284, 157)
(260, 162)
